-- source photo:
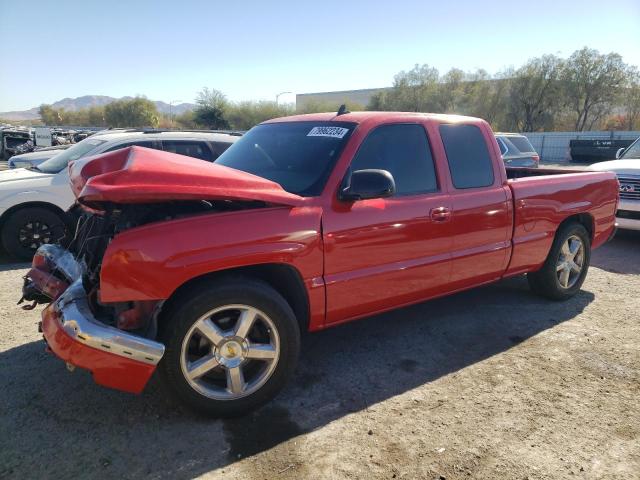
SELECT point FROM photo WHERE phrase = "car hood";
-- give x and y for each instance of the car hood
(143, 175)
(27, 157)
(620, 167)
(18, 174)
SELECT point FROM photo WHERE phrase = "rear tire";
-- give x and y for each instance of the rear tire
(28, 228)
(231, 346)
(566, 266)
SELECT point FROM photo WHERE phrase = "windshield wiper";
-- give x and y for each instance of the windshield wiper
(34, 168)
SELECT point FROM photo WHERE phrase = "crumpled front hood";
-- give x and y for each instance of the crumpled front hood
(143, 175)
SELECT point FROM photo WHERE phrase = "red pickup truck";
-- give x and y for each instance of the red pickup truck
(211, 271)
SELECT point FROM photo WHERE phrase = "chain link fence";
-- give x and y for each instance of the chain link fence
(553, 147)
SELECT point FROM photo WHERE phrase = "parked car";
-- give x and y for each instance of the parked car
(627, 168)
(33, 201)
(211, 271)
(31, 159)
(517, 151)
(11, 139)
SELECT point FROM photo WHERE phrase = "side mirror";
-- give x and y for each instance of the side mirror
(619, 152)
(365, 184)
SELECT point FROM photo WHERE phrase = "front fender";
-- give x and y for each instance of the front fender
(153, 261)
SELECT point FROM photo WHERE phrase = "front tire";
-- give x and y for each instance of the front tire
(231, 346)
(28, 228)
(566, 266)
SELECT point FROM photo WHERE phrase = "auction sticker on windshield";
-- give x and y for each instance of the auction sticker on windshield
(334, 132)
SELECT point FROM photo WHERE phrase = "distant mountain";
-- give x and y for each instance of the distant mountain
(86, 101)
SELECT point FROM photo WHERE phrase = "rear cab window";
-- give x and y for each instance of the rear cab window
(468, 156)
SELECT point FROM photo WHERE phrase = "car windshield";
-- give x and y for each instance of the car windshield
(297, 155)
(633, 151)
(61, 160)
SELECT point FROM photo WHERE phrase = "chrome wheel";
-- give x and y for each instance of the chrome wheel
(570, 262)
(230, 352)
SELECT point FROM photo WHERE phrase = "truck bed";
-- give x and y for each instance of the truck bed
(543, 198)
(524, 172)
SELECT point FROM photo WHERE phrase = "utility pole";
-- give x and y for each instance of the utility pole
(171, 110)
(278, 96)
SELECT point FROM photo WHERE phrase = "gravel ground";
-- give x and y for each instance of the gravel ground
(490, 383)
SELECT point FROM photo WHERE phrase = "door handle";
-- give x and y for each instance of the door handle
(440, 214)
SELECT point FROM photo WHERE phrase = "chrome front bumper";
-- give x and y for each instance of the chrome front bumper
(56, 277)
(78, 322)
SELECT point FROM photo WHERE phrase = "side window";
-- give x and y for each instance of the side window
(146, 144)
(219, 148)
(189, 148)
(469, 160)
(403, 150)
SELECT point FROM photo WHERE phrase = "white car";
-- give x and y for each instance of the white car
(627, 168)
(25, 160)
(33, 201)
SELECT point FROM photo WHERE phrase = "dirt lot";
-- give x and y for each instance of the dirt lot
(491, 383)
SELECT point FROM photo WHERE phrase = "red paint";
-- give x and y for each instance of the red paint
(108, 370)
(144, 175)
(372, 255)
(355, 259)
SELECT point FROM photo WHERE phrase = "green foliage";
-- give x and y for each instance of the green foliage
(137, 112)
(328, 106)
(211, 110)
(535, 93)
(244, 115)
(546, 93)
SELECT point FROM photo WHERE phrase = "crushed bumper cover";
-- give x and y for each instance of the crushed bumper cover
(117, 359)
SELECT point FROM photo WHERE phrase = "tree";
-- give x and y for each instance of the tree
(451, 95)
(315, 106)
(244, 115)
(592, 84)
(631, 100)
(49, 115)
(534, 93)
(136, 112)
(211, 109)
(414, 91)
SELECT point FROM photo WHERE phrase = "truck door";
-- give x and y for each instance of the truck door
(385, 252)
(482, 217)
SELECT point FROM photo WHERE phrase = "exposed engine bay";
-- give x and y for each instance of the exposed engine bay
(93, 230)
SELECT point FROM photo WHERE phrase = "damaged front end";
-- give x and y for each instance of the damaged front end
(116, 358)
(115, 341)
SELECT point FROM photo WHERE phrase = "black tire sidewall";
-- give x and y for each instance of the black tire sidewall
(19, 218)
(190, 307)
(547, 278)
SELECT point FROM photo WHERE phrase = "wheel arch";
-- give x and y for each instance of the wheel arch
(282, 277)
(584, 219)
(35, 204)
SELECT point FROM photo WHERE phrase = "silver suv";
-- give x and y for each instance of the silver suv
(517, 151)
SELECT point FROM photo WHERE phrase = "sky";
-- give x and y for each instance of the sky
(253, 50)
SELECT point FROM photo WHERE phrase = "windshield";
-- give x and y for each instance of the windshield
(61, 160)
(297, 155)
(632, 151)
